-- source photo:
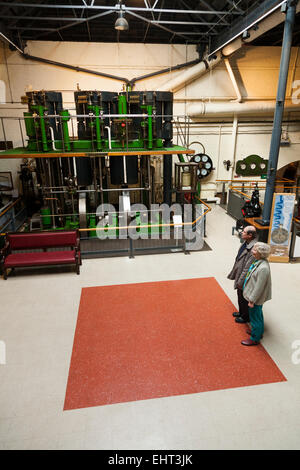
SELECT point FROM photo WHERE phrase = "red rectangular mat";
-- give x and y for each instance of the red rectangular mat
(159, 339)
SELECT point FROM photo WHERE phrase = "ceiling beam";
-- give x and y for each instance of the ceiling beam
(117, 8)
(157, 25)
(198, 23)
(42, 18)
(234, 5)
(79, 21)
(213, 11)
(250, 20)
(153, 16)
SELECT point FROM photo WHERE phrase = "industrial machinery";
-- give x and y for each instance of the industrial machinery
(104, 151)
(105, 121)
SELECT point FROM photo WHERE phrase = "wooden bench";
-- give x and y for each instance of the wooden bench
(20, 249)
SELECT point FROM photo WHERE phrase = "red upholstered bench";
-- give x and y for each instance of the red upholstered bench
(14, 254)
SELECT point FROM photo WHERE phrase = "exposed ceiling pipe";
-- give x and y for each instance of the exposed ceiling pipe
(73, 67)
(233, 80)
(200, 69)
(7, 40)
(237, 109)
(190, 75)
(130, 82)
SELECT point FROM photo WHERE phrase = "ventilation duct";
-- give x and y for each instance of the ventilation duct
(238, 109)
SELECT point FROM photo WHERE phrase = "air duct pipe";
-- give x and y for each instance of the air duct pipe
(268, 23)
(229, 109)
(189, 75)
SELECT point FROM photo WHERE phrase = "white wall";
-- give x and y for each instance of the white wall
(256, 70)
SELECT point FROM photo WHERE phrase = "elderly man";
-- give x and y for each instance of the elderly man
(238, 273)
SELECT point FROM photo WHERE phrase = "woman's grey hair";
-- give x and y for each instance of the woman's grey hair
(263, 249)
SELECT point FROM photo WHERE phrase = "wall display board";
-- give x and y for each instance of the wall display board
(280, 226)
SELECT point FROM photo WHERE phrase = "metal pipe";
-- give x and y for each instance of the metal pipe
(40, 110)
(4, 135)
(156, 24)
(268, 21)
(235, 108)
(10, 42)
(64, 121)
(150, 134)
(117, 8)
(255, 17)
(109, 136)
(234, 141)
(73, 67)
(281, 91)
(233, 80)
(52, 138)
(167, 179)
(122, 189)
(98, 128)
(166, 70)
(198, 23)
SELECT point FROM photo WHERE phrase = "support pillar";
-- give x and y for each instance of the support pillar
(281, 91)
(167, 179)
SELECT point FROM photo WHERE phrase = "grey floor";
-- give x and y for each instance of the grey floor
(37, 324)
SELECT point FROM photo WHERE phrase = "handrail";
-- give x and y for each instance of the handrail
(243, 194)
(10, 206)
(152, 225)
(254, 181)
(237, 191)
(93, 229)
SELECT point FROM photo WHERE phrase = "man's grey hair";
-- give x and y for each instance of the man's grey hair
(251, 230)
(263, 249)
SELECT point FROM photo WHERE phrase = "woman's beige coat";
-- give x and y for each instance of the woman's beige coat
(258, 288)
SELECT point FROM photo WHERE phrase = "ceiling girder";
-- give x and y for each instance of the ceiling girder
(242, 24)
(125, 8)
(214, 22)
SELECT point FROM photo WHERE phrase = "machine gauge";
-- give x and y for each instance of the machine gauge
(205, 164)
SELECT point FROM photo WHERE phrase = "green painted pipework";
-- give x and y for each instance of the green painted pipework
(64, 122)
(29, 125)
(122, 104)
(150, 125)
(46, 217)
(71, 224)
(198, 191)
(98, 128)
(40, 111)
(150, 130)
(96, 110)
(92, 224)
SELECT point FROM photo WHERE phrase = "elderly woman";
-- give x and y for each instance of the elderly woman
(257, 290)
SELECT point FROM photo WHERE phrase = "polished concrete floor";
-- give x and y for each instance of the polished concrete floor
(37, 325)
